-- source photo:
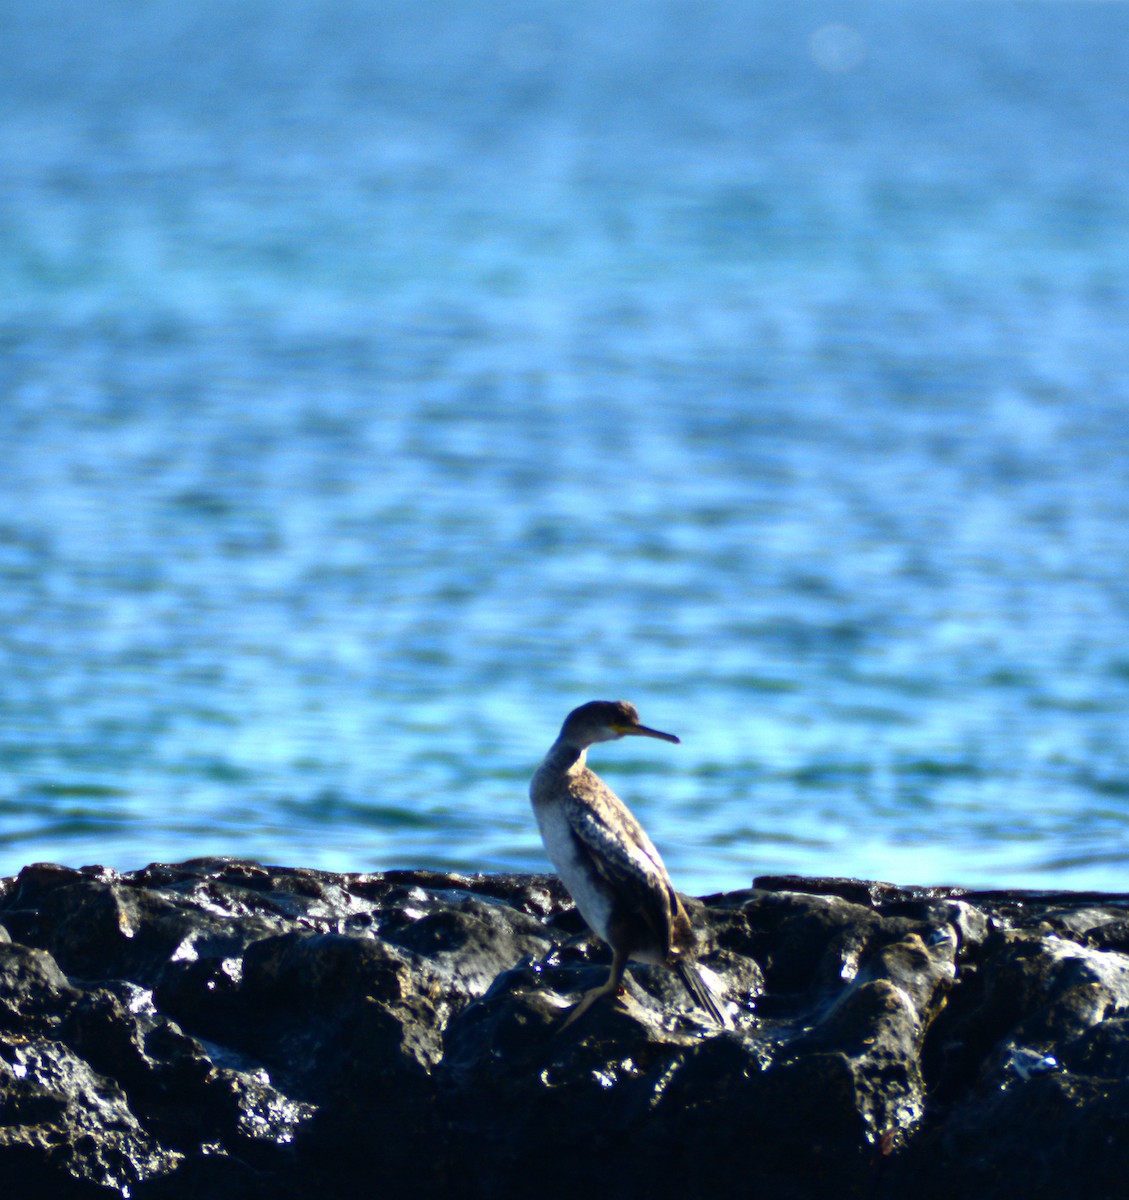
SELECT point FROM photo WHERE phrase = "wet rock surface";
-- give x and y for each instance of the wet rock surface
(227, 1029)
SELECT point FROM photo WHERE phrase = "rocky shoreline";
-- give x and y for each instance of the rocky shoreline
(227, 1029)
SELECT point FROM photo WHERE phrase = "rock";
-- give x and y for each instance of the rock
(227, 1029)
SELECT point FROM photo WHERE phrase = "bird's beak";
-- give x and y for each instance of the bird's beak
(643, 731)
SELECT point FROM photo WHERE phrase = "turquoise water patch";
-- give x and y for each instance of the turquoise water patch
(375, 386)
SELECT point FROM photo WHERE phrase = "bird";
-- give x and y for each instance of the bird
(606, 861)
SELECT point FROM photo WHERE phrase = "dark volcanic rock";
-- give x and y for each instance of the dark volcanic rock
(226, 1029)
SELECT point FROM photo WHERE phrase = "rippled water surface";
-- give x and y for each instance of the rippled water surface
(377, 382)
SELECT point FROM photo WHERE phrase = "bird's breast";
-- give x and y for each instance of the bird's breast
(586, 889)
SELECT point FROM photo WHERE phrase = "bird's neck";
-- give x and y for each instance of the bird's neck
(564, 759)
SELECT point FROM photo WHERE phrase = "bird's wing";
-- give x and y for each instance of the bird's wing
(620, 851)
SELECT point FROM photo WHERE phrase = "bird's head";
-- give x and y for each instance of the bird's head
(604, 721)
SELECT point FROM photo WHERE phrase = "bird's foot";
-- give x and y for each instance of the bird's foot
(587, 1000)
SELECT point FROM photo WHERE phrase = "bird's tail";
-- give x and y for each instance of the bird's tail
(700, 990)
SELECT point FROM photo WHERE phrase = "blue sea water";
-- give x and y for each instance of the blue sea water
(379, 381)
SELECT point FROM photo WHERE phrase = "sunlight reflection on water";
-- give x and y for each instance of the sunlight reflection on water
(370, 401)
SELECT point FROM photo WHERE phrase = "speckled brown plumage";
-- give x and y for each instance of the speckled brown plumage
(605, 858)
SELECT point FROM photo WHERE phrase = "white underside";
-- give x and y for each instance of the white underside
(593, 902)
(590, 898)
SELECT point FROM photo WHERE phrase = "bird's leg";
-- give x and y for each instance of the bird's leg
(609, 987)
